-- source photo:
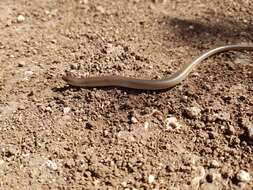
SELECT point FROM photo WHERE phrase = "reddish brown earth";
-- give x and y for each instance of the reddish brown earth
(57, 137)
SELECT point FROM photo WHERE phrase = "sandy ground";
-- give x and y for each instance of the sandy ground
(197, 135)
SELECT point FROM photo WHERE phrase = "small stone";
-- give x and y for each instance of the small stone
(12, 56)
(250, 132)
(151, 179)
(66, 110)
(2, 162)
(51, 165)
(106, 133)
(158, 115)
(191, 27)
(96, 182)
(184, 98)
(124, 184)
(100, 9)
(243, 176)
(47, 12)
(49, 109)
(134, 120)
(28, 73)
(20, 18)
(172, 123)
(214, 164)
(146, 125)
(244, 143)
(193, 112)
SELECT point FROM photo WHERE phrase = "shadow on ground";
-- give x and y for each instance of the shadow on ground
(218, 31)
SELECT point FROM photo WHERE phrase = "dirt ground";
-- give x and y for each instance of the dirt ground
(197, 135)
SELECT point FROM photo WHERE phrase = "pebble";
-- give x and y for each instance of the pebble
(12, 56)
(47, 12)
(51, 165)
(124, 183)
(250, 132)
(134, 120)
(171, 122)
(146, 125)
(96, 182)
(158, 115)
(184, 98)
(193, 112)
(191, 27)
(28, 73)
(20, 18)
(243, 176)
(214, 164)
(2, 162)
(49, 109)
(100, 9)
(151, 179)
(66, 110)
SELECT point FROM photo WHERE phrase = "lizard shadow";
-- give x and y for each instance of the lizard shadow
(108, 88)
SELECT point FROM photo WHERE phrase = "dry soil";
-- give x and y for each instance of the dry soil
(194, 136)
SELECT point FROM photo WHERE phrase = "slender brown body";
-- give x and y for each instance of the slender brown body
(134, 83)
